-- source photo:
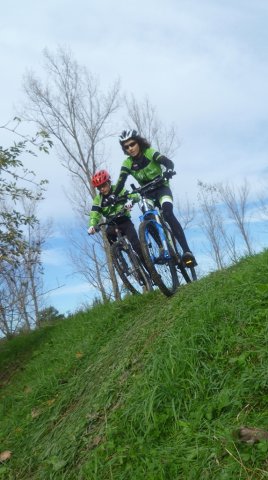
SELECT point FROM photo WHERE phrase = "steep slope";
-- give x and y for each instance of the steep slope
(148, 388)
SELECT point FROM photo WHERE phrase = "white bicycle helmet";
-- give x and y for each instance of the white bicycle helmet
(127, 135)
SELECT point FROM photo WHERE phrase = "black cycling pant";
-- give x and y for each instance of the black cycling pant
(169, 217)
(126, 228)
(158, 196)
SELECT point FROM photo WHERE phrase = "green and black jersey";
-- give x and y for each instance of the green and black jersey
(99, 209)
(143, 168)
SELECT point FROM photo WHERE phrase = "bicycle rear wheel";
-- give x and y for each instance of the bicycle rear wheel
(162, 270)
(130, 270)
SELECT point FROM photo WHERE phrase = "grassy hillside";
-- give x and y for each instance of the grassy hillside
(149, 388)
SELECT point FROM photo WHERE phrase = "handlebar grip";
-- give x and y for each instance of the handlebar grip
(168, 174)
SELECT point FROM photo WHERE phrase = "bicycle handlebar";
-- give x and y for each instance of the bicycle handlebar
(116, 200)
(160, 179)
(151, 185)
(111, 219)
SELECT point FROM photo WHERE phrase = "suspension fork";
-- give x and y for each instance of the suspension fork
(150, 213)
(161, 239)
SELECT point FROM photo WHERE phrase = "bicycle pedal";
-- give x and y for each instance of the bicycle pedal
(189, 260)
(190, 263)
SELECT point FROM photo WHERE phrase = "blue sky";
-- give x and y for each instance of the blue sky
(203, 65)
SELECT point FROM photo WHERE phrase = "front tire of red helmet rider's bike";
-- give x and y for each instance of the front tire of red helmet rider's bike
(130, 269)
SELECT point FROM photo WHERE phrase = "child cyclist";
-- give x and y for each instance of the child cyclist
(144, 164)
(102, 181)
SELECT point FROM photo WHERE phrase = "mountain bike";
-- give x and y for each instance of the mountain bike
(161, 250)
(126, 261)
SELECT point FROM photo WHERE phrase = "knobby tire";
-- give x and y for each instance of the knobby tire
(183, 273)
(126, 259)
(164, 275)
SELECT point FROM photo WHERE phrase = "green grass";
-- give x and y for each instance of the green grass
(149, 388)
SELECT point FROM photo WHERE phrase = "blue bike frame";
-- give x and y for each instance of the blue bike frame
(159, 227)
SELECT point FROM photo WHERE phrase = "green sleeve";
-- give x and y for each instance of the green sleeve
(124, 173)
(96, 212)
(135, 197)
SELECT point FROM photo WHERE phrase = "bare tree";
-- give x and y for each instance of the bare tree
(144, 118)
(263, 204)
(261, 209)
(212, 222)
(10, 320)
(31, 261)
(224, 221)
(186, 213)
(236, 202)
(73, 110)
(84, 251)
(21, 285)
(14, 300)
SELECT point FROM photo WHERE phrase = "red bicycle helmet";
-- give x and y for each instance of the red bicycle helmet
(100, 178)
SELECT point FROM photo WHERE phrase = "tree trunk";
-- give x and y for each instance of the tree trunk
(113, 278)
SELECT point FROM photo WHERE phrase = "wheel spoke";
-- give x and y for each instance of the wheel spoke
(129, 269)
(158, 259)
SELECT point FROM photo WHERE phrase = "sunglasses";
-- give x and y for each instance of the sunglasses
(132, 144)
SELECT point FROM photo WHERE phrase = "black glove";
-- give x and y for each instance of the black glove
(168, 173)
(109, 200)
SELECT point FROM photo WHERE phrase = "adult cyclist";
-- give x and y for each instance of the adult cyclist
(144, 164)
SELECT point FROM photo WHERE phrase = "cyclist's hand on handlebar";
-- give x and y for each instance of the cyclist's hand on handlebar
(91, 231)
(128, 205)
(169, 173)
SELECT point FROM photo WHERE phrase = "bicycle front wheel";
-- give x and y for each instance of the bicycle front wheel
(184, 274)
(162, 270)
(129, 269)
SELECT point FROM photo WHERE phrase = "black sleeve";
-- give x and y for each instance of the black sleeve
(121, 181)
(166, 162)
(163, 160)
